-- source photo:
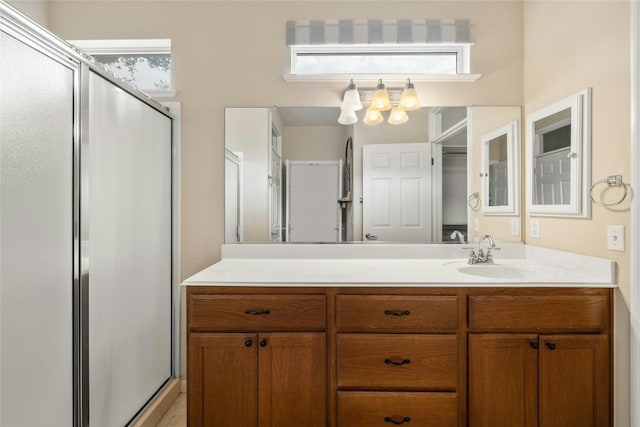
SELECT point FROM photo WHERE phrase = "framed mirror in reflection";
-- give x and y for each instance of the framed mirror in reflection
(500, 161)
(296, 175)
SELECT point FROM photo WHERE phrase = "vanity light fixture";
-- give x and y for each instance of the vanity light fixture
(380, 100)
(409, 99)
(398, 116)
(372, 116)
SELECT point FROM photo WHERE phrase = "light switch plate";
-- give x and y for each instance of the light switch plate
(476, 224)
(515, 226)
(535, 228)
(615, 238)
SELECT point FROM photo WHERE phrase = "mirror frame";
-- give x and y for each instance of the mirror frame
(579, 155)
(512, 131)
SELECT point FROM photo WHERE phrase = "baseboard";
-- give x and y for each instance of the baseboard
(183, 386)
(152, 416)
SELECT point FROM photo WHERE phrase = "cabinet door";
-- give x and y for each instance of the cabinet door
(574, 380)
(503, 379)
(292, 377)
(222, 387)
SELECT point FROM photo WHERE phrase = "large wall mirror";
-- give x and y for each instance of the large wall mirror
(293, 174)
(559, 157)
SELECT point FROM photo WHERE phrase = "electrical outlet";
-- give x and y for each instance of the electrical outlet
(535, 228)
(476, 224)
(515, 226)
(615, 238)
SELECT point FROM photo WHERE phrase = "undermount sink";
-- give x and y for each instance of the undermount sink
(500, 271)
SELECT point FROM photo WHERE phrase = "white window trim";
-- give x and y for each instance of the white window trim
(130, 46)
(462, 51)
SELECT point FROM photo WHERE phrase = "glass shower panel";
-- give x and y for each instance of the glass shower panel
(130, 253)
(36, 237)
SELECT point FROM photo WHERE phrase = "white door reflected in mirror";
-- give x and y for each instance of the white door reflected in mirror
(559, 157)
(500, 155)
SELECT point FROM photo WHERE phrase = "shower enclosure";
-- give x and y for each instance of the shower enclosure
(88, 266)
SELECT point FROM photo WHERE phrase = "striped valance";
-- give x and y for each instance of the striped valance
(378, 31)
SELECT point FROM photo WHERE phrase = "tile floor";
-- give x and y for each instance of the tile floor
(176, 416)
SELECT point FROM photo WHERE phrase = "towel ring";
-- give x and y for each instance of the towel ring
(474, 200)
(611, 181)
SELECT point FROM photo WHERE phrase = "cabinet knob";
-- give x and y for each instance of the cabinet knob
(257, 312)
(402, 362)
(248, 343)
(533, 345)
(397, 421)
(550, 345)
(397, 312)
(263, 343)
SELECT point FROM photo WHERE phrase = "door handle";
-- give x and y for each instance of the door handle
(370, 236)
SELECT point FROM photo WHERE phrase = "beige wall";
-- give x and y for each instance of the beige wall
(570, 46)
(233, 53)
(36, 10)
(314, 142)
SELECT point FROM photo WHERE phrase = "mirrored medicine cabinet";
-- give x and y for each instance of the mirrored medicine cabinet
(500, 171)
(559, 157)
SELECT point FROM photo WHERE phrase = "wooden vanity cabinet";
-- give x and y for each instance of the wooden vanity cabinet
(256, 360)
(383, 356)
(540, 357)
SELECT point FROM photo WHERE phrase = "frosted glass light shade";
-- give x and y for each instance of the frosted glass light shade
(347, 117)
(351, 100)
(409, 99)
(398, 117)
(380, 100)
(372, 116)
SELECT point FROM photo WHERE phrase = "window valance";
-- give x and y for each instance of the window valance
(378, 31)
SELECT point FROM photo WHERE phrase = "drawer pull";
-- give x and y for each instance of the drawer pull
(398, 422)
(397, 312)
(550, 345)
(257, 312)
(402, 362)
(533, 345)
(248, 343)
(263, 343)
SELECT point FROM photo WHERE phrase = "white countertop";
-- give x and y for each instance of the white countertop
(399, 265)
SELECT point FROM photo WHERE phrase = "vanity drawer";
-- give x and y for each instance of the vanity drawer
(372, 409)
(534, 313)
(409, 361)
(387, 313)
(257, 313)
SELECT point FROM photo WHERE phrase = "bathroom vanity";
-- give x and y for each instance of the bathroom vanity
(322, 341)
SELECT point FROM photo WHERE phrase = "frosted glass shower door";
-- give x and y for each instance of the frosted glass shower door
(130, 256)
(36, 237)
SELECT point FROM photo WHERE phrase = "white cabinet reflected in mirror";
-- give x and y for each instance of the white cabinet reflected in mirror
(559, 157)
(500, 170)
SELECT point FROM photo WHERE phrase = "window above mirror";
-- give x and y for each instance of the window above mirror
(394, 49)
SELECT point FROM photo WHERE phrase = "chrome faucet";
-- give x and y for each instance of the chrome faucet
(484, 255)
(457, 235)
